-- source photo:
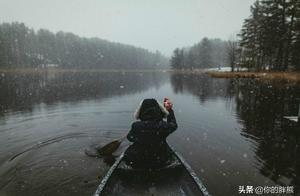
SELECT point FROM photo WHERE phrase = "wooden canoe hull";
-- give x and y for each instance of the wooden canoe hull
(177, 178)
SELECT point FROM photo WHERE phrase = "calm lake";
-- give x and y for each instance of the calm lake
(231, 131)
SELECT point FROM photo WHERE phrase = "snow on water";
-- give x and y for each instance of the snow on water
(228, 132)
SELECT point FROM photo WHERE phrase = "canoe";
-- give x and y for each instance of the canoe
(177, 178)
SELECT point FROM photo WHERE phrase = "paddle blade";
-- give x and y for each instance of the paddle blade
(109, 148)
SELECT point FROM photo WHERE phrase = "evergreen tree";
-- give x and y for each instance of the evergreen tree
(269, 35)
(295, 35)
(177, 59)
(23, 47)
(205, 54)
(204, 58)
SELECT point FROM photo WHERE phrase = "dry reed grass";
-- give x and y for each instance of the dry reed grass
(284, 76)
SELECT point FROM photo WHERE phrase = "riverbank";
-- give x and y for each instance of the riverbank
(74, 70)
(279, 76)
(283, 76)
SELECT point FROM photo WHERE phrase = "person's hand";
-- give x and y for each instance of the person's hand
(168, 104)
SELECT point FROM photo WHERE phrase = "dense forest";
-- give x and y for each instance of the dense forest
(22, 47)
(269, 40)
(206, 54)
(270, 37)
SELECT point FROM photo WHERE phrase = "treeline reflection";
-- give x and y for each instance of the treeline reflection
(19, 92)
(260, 107)
(203, 86)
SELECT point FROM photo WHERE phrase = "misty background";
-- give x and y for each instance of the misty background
(154, 25)
(73, 72)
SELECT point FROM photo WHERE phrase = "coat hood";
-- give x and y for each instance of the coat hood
(150, 109)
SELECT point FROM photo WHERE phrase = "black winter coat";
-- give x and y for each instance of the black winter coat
(149, 148)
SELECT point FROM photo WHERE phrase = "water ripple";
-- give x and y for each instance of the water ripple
(48, 142)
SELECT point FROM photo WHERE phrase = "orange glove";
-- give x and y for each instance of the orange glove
(168, 104)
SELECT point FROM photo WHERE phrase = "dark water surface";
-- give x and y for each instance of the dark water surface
(231, 131)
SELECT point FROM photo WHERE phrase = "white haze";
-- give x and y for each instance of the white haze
(156, 25)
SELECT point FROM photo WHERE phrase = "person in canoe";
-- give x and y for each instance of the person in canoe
(148, 134)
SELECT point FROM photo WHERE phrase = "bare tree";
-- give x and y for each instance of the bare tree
(232, 52)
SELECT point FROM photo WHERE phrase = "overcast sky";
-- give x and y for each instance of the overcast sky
(152, 24)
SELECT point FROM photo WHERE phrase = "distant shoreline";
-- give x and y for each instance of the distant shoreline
(282, 76)
(76, 70)
(266, 75)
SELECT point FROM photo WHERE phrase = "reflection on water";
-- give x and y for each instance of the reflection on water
(260, 106)
(202, 86)
(232, 132)
(48, 119)
(22, 91)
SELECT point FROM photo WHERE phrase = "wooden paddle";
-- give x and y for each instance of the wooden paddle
(111, 147)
